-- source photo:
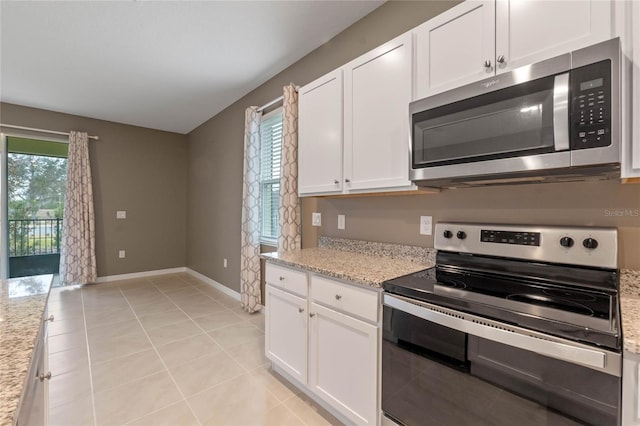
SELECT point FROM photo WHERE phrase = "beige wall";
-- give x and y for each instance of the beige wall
(135, 169)
(216, 147)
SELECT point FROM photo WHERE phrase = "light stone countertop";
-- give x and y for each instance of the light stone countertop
(366, 269)
(22, 304)
(630, 309)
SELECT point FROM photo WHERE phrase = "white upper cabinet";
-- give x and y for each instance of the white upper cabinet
(478, 39)
(378, 89)
(529, 31)
(631, 152)
(354, 124)
(320, 135)
(455, 48)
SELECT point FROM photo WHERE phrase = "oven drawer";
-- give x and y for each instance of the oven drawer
(350, 299)
(287, 279)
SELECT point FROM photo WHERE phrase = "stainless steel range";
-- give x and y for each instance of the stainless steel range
(514, 325)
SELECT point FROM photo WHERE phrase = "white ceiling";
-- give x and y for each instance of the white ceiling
(164, 65)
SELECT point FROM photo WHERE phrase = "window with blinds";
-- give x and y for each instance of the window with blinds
(270, 165)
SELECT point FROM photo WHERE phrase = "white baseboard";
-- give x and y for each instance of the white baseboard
(143, 274)
(223, 288)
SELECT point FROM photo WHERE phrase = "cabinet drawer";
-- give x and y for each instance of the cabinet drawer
(349, 299)
(287, 279)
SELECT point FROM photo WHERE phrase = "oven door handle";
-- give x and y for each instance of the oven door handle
(574, 353)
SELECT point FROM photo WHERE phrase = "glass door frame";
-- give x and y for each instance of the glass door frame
(4, 212)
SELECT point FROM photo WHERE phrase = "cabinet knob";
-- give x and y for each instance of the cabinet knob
(301, 310)
(44, 377)
(487, 64)
(312, 315)
(51, 318)
(501, 59)
(281, 278)
(347, 180)
(336, 181)
(338, 297)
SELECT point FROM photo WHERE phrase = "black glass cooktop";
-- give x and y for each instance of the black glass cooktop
(573, 302)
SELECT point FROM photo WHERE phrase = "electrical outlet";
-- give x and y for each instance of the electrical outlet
(225, 263)
(340, 221)
(316, 219)
(121, 254)
(426, 223)
(121, 214)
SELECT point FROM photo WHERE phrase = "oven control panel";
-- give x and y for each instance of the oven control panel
(522, 238)
(586, 246)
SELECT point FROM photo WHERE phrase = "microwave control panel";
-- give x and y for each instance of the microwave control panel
(591, 106)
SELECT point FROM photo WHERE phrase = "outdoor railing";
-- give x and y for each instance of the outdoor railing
(32, 237)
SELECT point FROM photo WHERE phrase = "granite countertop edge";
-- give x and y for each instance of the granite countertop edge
(365, 269)
(630, 309)
(20, 323)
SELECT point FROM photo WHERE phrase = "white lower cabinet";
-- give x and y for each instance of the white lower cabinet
(286, 332)
(630, 389)
(33, 408)
(343, 363)
(327, 342)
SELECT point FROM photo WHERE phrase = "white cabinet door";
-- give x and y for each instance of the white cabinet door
(453, 47)
(630, 389)
(320, 136)
(286, 332)
(631, 152)
(343, 361)
(378, 88)
(529, 31)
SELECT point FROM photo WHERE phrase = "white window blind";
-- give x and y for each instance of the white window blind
(270, 166)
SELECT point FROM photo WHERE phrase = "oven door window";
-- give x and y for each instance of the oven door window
(511, 122)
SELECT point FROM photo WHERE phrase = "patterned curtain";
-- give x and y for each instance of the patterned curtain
(250, 238)
(78, 246)
(289, 207)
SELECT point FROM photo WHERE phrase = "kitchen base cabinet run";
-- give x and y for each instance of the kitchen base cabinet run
(326, 343)
(34, 408)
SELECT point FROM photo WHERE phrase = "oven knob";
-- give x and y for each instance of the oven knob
(590, 243)
(461, 235)
(447, 234)
(566, 242)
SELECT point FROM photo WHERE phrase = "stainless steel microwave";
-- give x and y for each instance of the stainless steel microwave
(554, 120)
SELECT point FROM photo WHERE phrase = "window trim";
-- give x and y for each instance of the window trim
(267, 240)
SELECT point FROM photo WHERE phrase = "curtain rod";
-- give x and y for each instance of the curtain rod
(54, 132)
(273, 102)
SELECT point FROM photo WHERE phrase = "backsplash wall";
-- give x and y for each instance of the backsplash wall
(395, 219)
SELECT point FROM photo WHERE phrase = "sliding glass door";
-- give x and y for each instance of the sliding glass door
(34, 180)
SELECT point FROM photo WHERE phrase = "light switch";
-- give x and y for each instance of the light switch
(121, 214)
(316, 219)
(340, 221)
(121, 254)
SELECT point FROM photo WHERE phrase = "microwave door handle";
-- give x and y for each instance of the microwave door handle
(561, 112)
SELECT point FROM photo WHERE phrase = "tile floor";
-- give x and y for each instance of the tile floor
(164, 350)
